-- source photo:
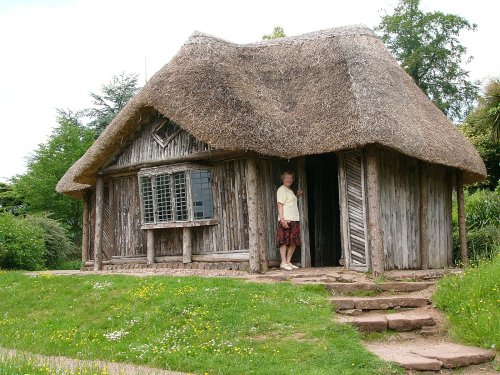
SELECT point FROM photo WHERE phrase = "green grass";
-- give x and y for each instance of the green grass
(471, 303)
(213, 325)
(23, 364)
(69, 265)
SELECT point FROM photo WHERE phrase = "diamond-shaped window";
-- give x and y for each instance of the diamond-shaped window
(166, 132)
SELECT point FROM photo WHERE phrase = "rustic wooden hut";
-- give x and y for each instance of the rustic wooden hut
(186, 174)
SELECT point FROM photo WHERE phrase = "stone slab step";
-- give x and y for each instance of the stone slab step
(404, 286)
(454, 355)
(378, 303)
(425, 356)
(397, 322)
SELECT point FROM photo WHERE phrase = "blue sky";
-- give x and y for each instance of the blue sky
(54, 52)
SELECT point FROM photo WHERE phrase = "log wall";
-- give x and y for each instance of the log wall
(123, 236)
(401, 181)
(144, 147)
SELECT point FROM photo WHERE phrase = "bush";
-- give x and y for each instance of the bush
(58, 247)
(482, 217)
(21, 243)
(482, 209)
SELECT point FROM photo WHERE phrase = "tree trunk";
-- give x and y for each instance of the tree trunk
(99, 207)
(461, 219)
(375, 243)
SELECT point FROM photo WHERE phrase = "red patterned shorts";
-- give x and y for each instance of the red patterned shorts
(288, 236)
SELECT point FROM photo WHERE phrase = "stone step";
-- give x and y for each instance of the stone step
(396, 322)
(382, 287)
(427, 356)
(378, 303)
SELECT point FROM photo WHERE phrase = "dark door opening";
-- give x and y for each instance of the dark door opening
(323, 209)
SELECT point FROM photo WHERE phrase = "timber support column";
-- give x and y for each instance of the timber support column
(187, 245)
(150, 249)
(461, 219)
(253, 214)
(85, 227)
(424, 227)
(375, 243)
(262, 245)
(99, 207)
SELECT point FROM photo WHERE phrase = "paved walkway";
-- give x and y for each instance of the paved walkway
(72, 364)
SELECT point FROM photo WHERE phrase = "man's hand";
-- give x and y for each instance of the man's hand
(299, 193)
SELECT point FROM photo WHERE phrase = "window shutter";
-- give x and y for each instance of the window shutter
(354, 210)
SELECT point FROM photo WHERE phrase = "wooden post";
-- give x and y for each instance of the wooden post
(461, 219)
(424, 225)
(305, 248)
(187, 245)
(151, 246)
(253, 215)
(375, 236)
(262, 244)
(99, 208)
(85, 227)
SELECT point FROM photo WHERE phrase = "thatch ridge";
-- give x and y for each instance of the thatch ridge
(319, 92)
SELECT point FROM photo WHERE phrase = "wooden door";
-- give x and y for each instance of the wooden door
(130, 240)
(353, 210)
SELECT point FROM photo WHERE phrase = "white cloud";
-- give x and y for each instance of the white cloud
(52, 55)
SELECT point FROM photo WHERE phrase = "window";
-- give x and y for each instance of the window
(174, 195)
(166, 132)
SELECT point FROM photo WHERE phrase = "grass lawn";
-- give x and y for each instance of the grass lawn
(202, 325)
(472, 304)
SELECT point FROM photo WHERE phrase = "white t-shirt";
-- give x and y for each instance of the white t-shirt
(286, 197)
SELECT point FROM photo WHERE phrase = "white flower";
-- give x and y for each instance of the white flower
(116, 335)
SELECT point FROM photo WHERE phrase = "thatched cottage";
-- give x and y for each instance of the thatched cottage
(186, 174)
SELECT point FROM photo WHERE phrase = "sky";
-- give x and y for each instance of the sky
(53, 53)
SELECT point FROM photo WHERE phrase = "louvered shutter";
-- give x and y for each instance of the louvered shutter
(352, 196)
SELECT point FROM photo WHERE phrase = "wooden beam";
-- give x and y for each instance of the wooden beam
(150, 246)
(85, 227)
(305, 253)
(461, 219)
(375, 236)
(261, 220)
(187, 245)
(202, 156)
(423, 216)
(99, 210)
(253, 216)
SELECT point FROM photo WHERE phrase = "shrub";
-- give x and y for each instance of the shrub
(482, 210)
(482, 243)
(58, 247)
(21, 243)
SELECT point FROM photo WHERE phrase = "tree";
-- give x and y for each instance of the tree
(427, 46)
(278, 32)
(45, 167)
(112, 98)
(11, 200)
(481, 126)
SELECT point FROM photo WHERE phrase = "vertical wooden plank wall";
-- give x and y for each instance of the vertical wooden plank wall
(415, 202)
(145, 148)
(400, 208)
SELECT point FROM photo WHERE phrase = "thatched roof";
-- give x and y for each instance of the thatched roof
(315, 93)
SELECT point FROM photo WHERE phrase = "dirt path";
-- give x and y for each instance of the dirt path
(72, 364)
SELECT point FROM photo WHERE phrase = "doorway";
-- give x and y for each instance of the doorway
(323, 210)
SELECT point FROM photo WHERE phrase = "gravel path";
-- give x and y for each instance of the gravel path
(72, 364)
